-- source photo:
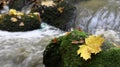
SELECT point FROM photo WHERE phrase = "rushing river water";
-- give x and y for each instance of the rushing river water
(25, 49)
(95, 14)
(100, 17)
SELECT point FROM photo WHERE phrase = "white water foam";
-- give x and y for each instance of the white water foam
(25, 49)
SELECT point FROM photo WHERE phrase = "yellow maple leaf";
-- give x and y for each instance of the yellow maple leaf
(12, 12)
(92, 45)
(19, 13)
(13, 19)
(21, 24)
(48, 3)
(95, 42)
(84, 51)
(36, 13)
(60, 9)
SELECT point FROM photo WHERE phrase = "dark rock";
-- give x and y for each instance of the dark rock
(63, 52)
(63, 20)
(26, 23)
(17, 4)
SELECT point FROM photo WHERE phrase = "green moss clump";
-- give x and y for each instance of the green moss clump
(63, 20)
(108, 58)
(52, 54)
(23, 23)
(17, 4)
(63, 53)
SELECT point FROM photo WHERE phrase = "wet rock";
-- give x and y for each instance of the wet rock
(62, 16)
(17, 4)
(63, 53)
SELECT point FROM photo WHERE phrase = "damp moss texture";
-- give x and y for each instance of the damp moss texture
(63, 53)
(61, 16)
(19, 23)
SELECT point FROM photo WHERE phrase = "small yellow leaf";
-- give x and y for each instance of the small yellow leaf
(19, 13)
(60, 9)
(95, 42)
(12, 12)
(21, 24)
(48, 3)
(13, 19)
(19, 17)
(84, 51)
(36, 13)
(92, 45)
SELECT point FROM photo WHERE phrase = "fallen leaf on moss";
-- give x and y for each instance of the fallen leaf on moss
(36, 13)
(75, 42)
(67, 33)
(55, 40)
(60, 9)
(82, 41)
(95, 42)
(92, 45)
(78, 42)
(13, 19)
(12, 12)
(19, 17)
(21, 24)
(48, 3)
(84, 51)
(116, 45)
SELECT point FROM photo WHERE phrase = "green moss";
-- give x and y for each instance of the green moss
(52, 54)
(108, 58)
(30, 23)
(17, 4)
(64, 20)
(63, 53)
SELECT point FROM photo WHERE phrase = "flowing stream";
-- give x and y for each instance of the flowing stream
(100, 17)
(25, 49)
(96, 14)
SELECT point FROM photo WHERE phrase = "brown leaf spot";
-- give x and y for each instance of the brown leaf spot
(55, 40)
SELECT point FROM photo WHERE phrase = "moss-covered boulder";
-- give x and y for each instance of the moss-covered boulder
(17, 4)
(61, 16)
(18, 21)
(61, 52)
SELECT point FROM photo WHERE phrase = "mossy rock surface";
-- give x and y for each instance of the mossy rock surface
(63, 18)
(26, 23)
(63, 53)
(17, 4)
